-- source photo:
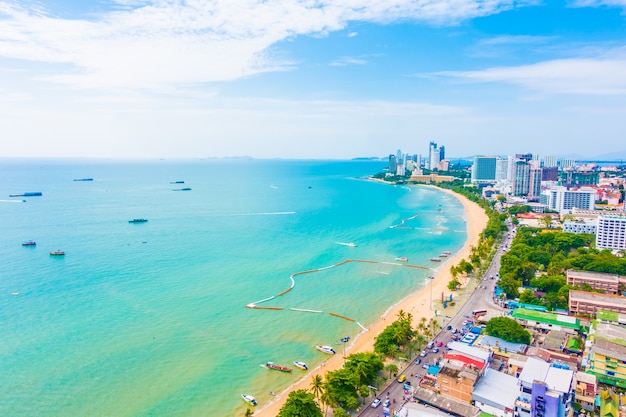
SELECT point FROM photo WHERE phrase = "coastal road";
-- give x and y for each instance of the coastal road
(480, 298)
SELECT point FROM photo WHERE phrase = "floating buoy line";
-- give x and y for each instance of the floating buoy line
(255, 304)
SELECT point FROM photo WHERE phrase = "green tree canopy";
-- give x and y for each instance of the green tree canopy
(341, 389)
(300, 403)
(507, 329)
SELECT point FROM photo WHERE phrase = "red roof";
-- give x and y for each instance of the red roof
(467, 361)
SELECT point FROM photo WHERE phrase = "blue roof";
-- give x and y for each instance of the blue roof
(433, 370)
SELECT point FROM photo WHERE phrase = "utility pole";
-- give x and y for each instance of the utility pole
(344, 340)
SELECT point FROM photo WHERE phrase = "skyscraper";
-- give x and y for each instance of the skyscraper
(434, 155)
(484, 169)
(521, 177)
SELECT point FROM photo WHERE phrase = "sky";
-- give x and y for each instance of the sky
(311, 79)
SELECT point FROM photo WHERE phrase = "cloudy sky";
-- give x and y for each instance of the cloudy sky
(311, 78)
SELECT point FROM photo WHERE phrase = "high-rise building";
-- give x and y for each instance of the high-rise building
(484, 169)
(563, 200)
(502, 169)
(433, 155)
(611, 232)
(526, 157)
(534, 181)
(521, 178)
(549, 161)
(393, 163)
(442, 153)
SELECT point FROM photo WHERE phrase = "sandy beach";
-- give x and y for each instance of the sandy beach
(417, 304)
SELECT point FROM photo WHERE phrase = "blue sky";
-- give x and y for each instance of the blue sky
(311, 78)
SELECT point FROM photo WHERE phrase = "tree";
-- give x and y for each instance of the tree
(454, 284)
(317, 387)
(528, 297)
(392, 368)
(341, 388)
(365, 366)
(507, 329)
(300, 403)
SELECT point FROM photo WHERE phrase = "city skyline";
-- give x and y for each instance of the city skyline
(322, 79)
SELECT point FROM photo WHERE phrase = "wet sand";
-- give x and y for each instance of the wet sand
(417, 304)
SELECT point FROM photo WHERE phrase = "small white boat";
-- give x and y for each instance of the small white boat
(301, 365)
(326, 349)
(351, 244)
(402, 259)
(249, 399)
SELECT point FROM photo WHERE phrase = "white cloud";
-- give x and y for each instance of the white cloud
(148, 44)
(598, 3)
(601, 76)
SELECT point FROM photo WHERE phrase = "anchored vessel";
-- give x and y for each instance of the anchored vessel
(326, 349)
(301, 365)
(138, 221)
(272, 365)
(249, 399)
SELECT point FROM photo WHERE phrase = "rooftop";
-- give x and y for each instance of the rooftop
(535, 370)
(597, 297)
(495, 342)
(482, 354)
(559, 379)
(550, 318)
(497, 388)
(595, 275)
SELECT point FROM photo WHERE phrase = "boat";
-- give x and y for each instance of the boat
(352, 245)
(182, 189)
(57, 253)
(447, 252)
(30, 243)
(435, 259)
(272, 365)
(402, 259)
(27, 194)
(83, 179)
(177, 182)
(138, 221)
(326, 349)
(301, 365)
(249, 399)
(443, 255)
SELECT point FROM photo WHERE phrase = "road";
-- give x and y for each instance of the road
(480, 298)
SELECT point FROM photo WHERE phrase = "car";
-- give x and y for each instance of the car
(418, 361)
(424, 353)
(439, 343)
(407, 385)
(376, 403)
(449, 327)
(425, 366)
(455, 330)
(430, 345)
(387, 403)
(435, 350)
(402, 378)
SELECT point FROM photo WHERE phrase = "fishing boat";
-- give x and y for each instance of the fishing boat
(57, 253)
(272, 365)
(138, 221)
(326, 349)
(27, 194)
(30, 243)
(249, 399)
(301, 365)
(402, 259)
(435, 259)
(443, 255)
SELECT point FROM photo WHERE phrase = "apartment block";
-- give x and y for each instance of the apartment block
(611, 233)
(608, 283)
(582, 302)
(544, 390)
(607, 357)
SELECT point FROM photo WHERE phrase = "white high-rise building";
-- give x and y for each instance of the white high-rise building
(564, 200)
(611, 232)
(434, 155)
(502, 169)
(549, 161)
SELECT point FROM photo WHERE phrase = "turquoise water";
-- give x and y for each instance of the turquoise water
(151, 320)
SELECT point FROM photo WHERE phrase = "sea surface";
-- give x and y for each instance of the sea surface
(150, 319)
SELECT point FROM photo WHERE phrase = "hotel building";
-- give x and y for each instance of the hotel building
(611, 232)
(563, 200)
(582, 302)
(607, 357)
(609, 283)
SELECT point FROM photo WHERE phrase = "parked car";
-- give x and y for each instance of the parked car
(387, 403)
(435, 350)
(425, 366)
(430, 345)
(402, 378)
(424, 353)
(449, 327)
(418, 361)
(376, 403)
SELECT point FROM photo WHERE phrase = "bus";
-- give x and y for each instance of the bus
(478, 313)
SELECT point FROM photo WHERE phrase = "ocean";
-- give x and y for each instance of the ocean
(150, 319)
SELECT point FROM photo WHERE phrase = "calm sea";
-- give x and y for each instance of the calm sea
(150, 319)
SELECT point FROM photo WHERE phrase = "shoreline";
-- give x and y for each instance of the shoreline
(416, 303)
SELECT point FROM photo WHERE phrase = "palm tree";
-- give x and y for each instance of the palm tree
(392, 368)
(248, 412)
(317, 387)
